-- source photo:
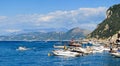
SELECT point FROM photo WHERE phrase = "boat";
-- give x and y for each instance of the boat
(117, 54)
(65, 53)
(22, 48)
(97, 49)
(55, 46)
(75, 45)
(80, 50)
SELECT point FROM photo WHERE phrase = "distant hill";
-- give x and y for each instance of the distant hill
(110, 26)
(75, 33)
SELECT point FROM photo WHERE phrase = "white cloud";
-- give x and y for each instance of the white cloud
(45, 18)
(12, 30)
(92, 11)
(3, 18)
(72, 18)
(83, 17)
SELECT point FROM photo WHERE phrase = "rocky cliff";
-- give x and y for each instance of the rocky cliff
(110, 26)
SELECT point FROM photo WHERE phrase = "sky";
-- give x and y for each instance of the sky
(19, 15)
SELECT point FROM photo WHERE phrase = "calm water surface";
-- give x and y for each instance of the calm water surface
(37, 55)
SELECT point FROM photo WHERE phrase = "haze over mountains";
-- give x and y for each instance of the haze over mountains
(47, 34)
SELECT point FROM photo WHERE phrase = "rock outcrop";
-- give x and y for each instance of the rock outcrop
(110, 27)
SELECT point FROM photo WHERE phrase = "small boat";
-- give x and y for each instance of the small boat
(106, 49)
(55, 46)
(80, 50)
(22, 48)
(97, 49)
(75, 45)
(117, 54)
(65, 53)
(87, 50)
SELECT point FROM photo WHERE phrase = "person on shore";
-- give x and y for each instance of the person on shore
(111, 48)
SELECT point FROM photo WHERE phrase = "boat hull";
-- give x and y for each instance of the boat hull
(59, 46)
(65, 53)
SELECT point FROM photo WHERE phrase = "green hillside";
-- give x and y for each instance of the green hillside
(110, 26)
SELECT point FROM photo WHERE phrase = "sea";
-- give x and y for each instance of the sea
(37, 55)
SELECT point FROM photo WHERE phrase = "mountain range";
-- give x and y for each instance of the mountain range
(74, 33)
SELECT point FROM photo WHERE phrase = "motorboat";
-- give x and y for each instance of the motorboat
(75, 49)
(116, 54)
(97, 49)
(106, 49)
(55, 46)
(75, 45)
(65, 53)
(80, 50)
(22, 48)
(85, 51)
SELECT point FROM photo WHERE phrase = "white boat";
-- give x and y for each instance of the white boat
(117, 54)
(22, 48)
(65, 53)
(106, 49)
(55, 46)
(84, 50)
(97, 49)
(81, 50)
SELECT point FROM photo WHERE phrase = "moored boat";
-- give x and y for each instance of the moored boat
(82, 50)
(55, 46)
(75, 45)
(117, 54)
(65, 53)
(96, 49)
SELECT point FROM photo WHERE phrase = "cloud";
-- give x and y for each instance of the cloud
(46, 18)
(87, 18)
(3, 18)
(12, 30)
(72, 18)
(92, 11)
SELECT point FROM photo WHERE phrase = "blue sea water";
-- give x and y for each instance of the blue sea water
(37, 55)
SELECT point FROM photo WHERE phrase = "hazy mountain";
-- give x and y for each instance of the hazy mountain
(75, 33)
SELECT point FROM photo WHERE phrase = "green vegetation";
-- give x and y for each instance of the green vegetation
(110, 26)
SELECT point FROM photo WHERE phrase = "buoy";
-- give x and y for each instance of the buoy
(49, 54)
